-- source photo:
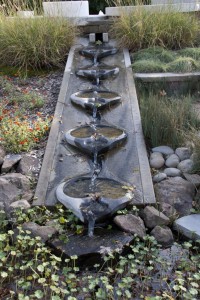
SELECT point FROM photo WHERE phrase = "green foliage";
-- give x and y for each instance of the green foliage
(158, 59)
(190, 52)
(183, 65)
(34, 43)
(160, 53)
(30, 270)
(140, 29)
(148, 66)
(167, 121)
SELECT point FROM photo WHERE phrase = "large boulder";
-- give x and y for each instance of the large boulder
(13, 187)
(177, 192)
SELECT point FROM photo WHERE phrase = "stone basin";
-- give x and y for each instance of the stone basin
(99, 71)
(108, 197)
(94, 138)
(98, 99)
(98, 52)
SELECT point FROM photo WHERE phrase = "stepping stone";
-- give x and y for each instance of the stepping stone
(189, 226)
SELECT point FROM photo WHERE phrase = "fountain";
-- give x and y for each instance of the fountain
(95, 161)
(93, 199)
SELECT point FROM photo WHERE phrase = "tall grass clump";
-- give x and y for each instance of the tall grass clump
(167, 121)
(140, 29)
(148, 66)
(34, 42)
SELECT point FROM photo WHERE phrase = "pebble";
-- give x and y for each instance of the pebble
(156, 160)
(159, 177)
(165, 150)
(172, 172)
(186, 166)
(183, 153)
(172, 161)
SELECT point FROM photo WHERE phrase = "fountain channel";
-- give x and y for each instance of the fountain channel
(95, 160)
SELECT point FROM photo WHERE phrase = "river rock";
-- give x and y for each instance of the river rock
(153, 217)
(29, 165)
(189, 226)
(14, 186)
(172, 161)
(193, 178)
(9, 162)
(130, 223)
(2, 155)
(45, 232)
(183, 153)
(165, 150)
(156, 160)
(172, 172)
(177, 192)
(163, 235)
(186, 166)
(159, 177)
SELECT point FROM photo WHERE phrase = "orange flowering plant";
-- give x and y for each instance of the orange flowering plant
(18, 135)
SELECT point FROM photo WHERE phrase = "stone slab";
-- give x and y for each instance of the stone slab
(103, 242)
(167, 77)
(127, 164)
(189, 226)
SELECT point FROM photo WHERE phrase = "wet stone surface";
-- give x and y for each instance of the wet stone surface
(93, 248)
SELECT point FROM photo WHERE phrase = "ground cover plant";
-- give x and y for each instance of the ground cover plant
(140, 29)
(21, 125)
(30, 269)
(158, 59)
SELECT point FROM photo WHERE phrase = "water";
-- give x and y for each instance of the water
(100, 130)
(106, 188)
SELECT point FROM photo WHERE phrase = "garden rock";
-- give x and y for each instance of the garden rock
(153, 217)
(186, 166)
(165, 150)
(193, 178)
(172, 172)
(163, 235)
(156, 160)
(23, 204)
(130, 223)
(9, 162)
(29, 165)
(168, 210)
(159, 177)
(2, 155)
(14, 186)
(183, 153)
(177, 192)
(189, 226)
(172, 161)
(45, 232)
